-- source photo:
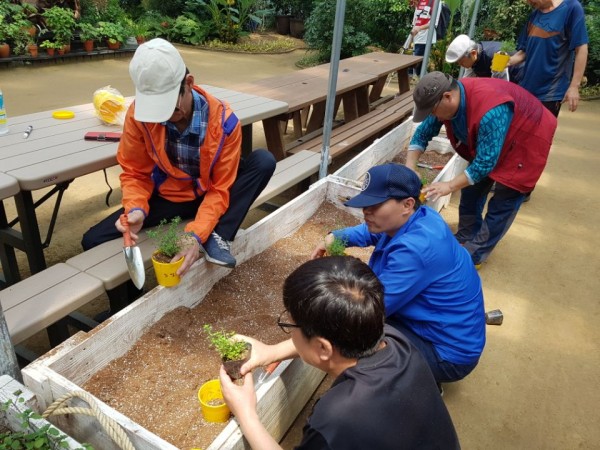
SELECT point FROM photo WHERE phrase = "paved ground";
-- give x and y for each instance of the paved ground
(536, 386)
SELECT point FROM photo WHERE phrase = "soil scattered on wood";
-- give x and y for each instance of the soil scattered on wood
(156, 383)
(429, 157)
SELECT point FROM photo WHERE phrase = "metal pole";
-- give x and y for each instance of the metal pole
(471, 32)
(338, 31)
(436, 7)
(8, 359)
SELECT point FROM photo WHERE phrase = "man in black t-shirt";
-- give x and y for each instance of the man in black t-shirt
(384, 395)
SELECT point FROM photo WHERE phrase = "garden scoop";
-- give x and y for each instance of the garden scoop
(266, 373)
(133, 256)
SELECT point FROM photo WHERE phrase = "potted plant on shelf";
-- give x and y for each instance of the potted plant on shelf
(114, 33)
(141, 31)
(168, 238)
(88, 33)
(32, 48)
(233, 353)
(50, 47)
(62, 23)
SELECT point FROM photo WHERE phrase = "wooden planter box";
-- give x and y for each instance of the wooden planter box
(11, 389)
(280, 399)
(384, 150)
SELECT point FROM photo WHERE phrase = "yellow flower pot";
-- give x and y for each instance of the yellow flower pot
(166, 273)
(499, 61)
(214, 408)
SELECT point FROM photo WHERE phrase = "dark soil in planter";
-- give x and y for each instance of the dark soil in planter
(429, 157)
(156, 383)
(232, 367)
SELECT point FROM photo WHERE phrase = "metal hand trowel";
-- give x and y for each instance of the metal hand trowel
(133, 256)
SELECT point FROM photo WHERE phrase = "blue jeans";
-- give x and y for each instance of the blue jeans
(480, 235)
(254, 172)
(418, 50)
(443, 371)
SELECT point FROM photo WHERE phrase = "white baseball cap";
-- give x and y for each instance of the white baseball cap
(157, 71)
(459, 47)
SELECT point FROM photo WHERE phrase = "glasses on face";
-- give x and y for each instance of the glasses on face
(285, 326)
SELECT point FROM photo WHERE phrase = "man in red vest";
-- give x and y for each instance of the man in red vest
(504, 133)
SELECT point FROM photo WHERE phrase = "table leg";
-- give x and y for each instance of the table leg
(362, 100)
(378, 88)
(274, 137)
(32, 241)
(316, 118)
(403, 81)
(247, 139)
(8, 258)
(350, 106)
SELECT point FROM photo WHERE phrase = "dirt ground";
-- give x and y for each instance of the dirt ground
(536, 386)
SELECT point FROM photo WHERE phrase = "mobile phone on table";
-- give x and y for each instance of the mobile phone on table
(103, 136)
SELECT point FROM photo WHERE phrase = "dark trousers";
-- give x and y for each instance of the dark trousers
(443, 371)
(480, 235)
(418, 50)
(254, 172)
(553, 106)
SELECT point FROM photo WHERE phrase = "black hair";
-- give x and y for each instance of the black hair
(340, 299)
(182, 87)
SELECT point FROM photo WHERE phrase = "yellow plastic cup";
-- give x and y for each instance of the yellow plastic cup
(499, 61)
(207, 394)
(166, 273)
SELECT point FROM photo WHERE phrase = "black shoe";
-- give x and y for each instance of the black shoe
(102, 316)
(441, 389)
(527, 197)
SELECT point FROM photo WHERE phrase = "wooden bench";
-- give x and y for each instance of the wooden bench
(361, 130)
(107, 263)
(45, 299)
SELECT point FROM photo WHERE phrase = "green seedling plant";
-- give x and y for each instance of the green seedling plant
(31, 436)
(507, 47)
(337, 247)
(222, 341)
(168, 237)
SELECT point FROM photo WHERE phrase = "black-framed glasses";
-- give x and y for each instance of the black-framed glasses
(285, 326)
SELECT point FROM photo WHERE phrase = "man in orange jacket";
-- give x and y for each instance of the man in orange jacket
(181, 156)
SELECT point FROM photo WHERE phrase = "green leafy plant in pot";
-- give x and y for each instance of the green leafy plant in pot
(88, 33)
(501, 57)
(337, 247)
(61, 22)
(168, 238)
(234, 353)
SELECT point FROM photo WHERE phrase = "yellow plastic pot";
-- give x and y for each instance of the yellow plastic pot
(166, 273)
(499, 61)
(207, 394)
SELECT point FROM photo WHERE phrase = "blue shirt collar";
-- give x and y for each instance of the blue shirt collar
(200, 109)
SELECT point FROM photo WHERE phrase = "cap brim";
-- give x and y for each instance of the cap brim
(421, 114)
(452, 59)
(364, 201)
(155, 108)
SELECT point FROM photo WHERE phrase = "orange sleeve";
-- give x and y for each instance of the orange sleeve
(137, 165)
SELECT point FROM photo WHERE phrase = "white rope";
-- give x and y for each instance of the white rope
(113, 429)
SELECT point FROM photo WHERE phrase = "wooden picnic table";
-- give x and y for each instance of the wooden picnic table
(56, 153)
(360, 82)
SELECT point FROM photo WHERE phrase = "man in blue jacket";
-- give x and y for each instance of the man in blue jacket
(433, 293)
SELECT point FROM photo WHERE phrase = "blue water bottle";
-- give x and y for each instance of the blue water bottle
(3, 121)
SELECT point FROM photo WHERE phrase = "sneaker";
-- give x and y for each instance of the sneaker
(477, 266)
(527, 197)
(217, 251)
(441, 389)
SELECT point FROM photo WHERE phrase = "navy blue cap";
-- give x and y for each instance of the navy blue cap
(385, 182)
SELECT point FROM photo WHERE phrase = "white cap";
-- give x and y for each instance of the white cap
(157, 71)
(459, 47)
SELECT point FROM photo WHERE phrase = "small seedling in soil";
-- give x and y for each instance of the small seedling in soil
(337, 247)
